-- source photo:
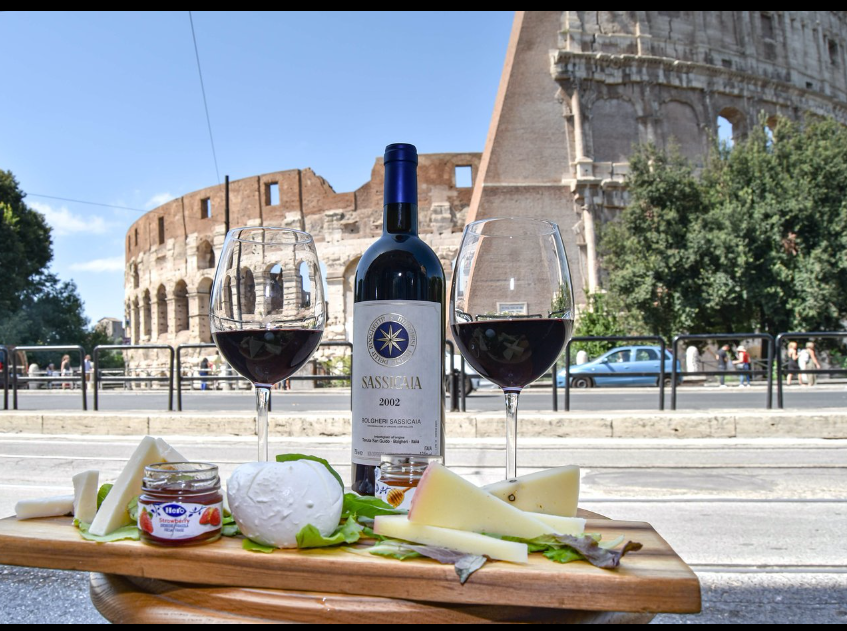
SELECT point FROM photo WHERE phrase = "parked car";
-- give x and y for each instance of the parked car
(621, 361)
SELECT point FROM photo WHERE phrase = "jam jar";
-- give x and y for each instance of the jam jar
(397, 476)
(180, 504)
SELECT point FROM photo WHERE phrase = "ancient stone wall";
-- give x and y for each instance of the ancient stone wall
(172, 251)
(581, 88)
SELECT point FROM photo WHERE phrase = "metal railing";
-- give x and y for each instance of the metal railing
(5, 362)
(47, 349)
(714, 373)
(213, 378)
(780, 371)
(126, 379)
(618, 338)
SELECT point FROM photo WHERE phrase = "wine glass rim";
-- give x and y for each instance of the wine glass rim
(553, 228)
(301, 233)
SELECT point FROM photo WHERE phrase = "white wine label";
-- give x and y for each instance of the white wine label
(397, 379)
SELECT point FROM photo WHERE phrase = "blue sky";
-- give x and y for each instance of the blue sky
(107, 107)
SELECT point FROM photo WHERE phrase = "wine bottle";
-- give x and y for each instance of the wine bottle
(398, 333)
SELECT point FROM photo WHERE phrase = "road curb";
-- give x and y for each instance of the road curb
(830, 424)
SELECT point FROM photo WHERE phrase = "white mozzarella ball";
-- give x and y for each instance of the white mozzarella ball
(272, 501)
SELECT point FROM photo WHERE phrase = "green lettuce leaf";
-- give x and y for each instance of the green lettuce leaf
(293, 457)
(102, 492)
(310, 537)
(230, 530)
(252, 546)
(366, 506)
(125, 532)
(563, 555)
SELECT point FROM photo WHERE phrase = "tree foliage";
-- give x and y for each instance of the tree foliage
(754, 243)
(35, 306)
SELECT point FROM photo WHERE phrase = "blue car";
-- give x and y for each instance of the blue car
(621, 361)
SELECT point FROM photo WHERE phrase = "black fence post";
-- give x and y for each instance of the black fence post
(463, 396)
(555, 388)
(799, 373)
(5, 352)
(778, 350)
(49, 349)
(178, 379)
(96, 378)
(451, 374)
(662, 374)
(674, 371)
(125, 379)
(568, 376)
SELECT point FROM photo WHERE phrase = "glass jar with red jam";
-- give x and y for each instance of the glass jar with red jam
(180, 504)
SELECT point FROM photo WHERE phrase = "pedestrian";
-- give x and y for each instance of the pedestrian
(32, 373)
(742, 364)
(793, 364)
(88, 369)
(65, 370)
(723, 360)
(204, 371)
(806, 358)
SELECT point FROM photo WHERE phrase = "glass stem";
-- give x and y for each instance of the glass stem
(511, 433)
(263, 395)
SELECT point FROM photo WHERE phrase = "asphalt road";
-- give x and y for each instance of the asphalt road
(761, 521)
(338, 399)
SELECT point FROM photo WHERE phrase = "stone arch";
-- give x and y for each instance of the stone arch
(205, 256)
(135, 323)
(161, 311)
(683, 129)
(226, 297)
(204, 290)
(180, 307)
(147, 314)
(614, 129)
(274, 289)
(737, 121)
(349, 277)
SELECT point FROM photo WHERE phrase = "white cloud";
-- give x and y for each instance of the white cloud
(158, 200)
(113, 264)
(64, 222)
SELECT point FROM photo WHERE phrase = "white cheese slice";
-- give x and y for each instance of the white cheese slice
(399, 527)
(563, 525)
(552, 491)
(112, 514)
(85, 495)
(45, 507)
(445, 499)
(168, 453)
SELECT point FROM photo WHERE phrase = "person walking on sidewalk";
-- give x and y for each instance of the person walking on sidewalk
(723, 361)
(806, 358)
(742, 363)
(793, 364)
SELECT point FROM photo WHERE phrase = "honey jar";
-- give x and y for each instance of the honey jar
(397, 477)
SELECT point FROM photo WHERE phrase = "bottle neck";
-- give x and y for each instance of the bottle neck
(400, 218)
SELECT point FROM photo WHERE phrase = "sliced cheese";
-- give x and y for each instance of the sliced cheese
(445, 499)
(399, 527)
(563, 525)
(553, 491)
(112, 514)
(85, 495)
(168, 453)
(45, 507)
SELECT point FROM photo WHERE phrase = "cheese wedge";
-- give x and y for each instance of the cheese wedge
(399, 527)
(45, 507)
(112, 514)
(168, 453)
(553, 491)
(85, 495)
(563, 525)
(446, 499)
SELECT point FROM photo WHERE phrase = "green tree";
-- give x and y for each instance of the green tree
(599, 320)
(756, 242)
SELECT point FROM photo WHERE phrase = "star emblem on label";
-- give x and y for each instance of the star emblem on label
(391, 340)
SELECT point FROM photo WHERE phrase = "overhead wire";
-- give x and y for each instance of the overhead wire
(205, 103)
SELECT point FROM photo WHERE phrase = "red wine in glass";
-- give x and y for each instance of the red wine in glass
(267, 356)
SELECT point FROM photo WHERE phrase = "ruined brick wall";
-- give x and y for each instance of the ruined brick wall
(171, 251)
(581, 88)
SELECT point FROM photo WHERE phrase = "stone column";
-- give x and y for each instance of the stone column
(590, 247)
(198, 317)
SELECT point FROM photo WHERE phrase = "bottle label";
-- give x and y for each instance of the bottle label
(397, 380)
(179, 520)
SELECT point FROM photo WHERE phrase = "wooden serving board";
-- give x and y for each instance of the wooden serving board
(654, 579)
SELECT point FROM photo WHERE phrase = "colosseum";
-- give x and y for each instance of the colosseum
(578, 90)
(171, 251)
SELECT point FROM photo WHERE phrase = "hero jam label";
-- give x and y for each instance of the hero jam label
(174, 521)
(397, 383)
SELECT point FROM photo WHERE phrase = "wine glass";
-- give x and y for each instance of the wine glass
(511, 306)
(267, 309)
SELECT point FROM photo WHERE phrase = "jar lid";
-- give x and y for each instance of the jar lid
(415, 460)
(184, 476)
